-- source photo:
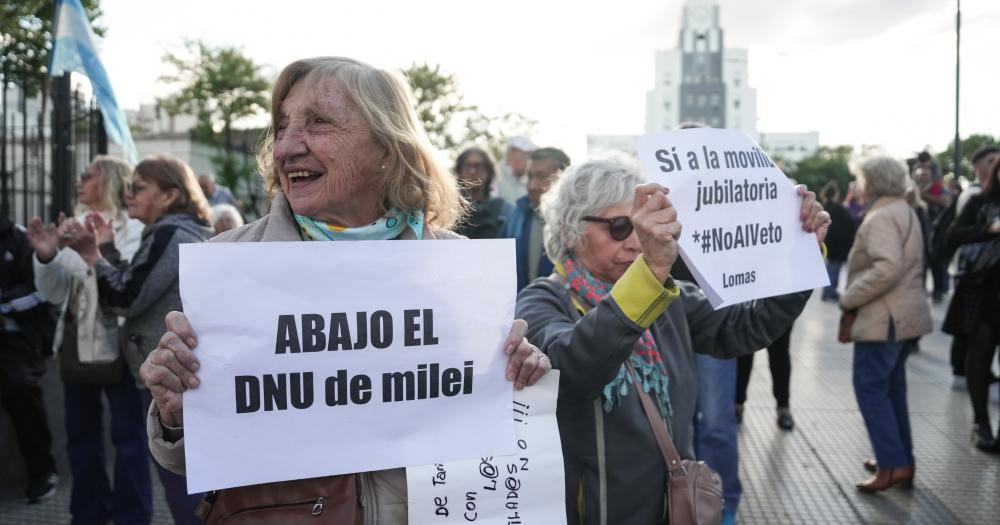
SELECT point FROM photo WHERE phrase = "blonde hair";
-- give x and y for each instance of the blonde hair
(169, 172)
(114, 180)
(412, 179)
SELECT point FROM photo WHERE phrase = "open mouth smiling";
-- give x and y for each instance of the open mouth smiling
(299, 177)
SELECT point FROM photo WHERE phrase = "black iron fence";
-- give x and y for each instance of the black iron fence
(44, 146)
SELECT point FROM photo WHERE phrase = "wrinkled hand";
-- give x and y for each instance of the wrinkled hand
(83, 239)
(814, 218)
(44, 239)
(655, 221)
(525, 363)
(61, 225)
(169, 370)
(102, 228)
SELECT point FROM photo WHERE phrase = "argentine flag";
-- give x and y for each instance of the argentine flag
(74, 50)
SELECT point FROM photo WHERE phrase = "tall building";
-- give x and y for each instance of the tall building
(701, 80)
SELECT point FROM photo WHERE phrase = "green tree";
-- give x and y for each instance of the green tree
(220, 86)
(969, 146)
(451, 122)
(826, 164)
(26, 36)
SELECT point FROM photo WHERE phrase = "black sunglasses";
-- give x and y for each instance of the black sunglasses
(619, 227)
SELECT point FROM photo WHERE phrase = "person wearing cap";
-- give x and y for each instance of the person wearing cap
(525, 224)
(927, 175)
(512, 184)
(983, 161)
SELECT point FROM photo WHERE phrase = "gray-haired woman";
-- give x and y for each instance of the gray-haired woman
(885, 285)
(614, 240)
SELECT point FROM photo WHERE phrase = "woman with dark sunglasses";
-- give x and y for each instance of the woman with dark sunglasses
(611, 303)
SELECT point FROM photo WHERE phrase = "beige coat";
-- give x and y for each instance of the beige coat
(885, 274)
(382, 493)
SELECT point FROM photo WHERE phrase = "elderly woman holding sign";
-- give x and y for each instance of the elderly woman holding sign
(611, 319)
(345, 159)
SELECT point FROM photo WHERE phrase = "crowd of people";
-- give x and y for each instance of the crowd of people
(602, 297)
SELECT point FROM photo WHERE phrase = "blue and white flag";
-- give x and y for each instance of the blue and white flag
(74, 50)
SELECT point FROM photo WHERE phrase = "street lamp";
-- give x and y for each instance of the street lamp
(958, 42)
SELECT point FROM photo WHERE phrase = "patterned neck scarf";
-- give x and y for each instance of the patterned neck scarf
(389, 226)
(645, 357)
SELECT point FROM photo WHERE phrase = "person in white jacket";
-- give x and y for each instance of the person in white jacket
(90, 358)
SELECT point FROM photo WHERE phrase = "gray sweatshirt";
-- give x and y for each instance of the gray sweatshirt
(147, 289)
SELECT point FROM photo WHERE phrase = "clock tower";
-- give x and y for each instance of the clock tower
(702, 88)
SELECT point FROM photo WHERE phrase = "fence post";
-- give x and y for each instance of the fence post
(5, 207)
(62, 147)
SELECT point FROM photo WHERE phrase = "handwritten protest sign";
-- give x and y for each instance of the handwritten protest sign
(526, 488)
(321, 358)
(742, 236)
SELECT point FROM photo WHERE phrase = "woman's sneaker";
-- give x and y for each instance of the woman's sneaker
(42, 488)
(785, 421)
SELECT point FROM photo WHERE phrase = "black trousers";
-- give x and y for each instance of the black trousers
(959, 345)
(780, 363)
(21, 397)
(979, 368)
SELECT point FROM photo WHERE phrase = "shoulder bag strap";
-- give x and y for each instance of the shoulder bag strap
(660, 430)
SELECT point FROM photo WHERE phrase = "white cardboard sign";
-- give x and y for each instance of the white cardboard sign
(526, 488)
(323, 358)
(742, 235)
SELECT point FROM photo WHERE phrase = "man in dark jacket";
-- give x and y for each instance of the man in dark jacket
(525, 224)
(26, 331)
(838, 240)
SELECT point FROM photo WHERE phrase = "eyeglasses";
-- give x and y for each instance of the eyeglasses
(619, 227)
(472, 167)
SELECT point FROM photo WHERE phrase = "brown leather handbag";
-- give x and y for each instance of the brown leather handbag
(693, 491)
(847, 318)
(316, 501)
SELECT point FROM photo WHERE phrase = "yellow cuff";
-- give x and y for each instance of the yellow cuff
(641, 296)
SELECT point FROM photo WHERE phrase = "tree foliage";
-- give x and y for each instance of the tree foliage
(220, 86)
(451, 122)
(969, 146)
(26, 40)
(826, 164)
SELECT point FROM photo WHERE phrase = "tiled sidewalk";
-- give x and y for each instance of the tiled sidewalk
(808, 475)
(804, 476)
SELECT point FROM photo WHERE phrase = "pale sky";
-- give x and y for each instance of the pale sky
(858, 71)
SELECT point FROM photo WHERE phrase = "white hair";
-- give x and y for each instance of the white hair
(586, 189)
(227, 210)
(884, 176)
